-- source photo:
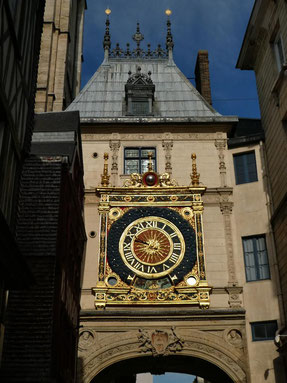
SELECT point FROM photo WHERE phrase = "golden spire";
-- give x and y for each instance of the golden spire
(194, 176)
(150, 162)
(105, 176)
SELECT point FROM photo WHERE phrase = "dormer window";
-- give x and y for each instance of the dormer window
(139, 91)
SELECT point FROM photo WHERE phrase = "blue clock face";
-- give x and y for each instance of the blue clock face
(151, 243)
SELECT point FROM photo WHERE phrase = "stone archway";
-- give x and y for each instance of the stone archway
(96, 356)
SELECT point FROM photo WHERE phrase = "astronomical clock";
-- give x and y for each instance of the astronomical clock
(151, 242)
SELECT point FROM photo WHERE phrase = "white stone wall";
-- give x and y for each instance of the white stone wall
(231, 212)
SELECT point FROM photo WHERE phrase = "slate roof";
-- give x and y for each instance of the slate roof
(175, 96)
(246, 131)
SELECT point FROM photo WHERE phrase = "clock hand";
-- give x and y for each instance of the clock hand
(139, 240)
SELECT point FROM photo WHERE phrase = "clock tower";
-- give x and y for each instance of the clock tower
(170, 254)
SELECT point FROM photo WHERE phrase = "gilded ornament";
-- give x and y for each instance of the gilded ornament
(115, 213)
(151, 248)
(105, 176)
(194, 176)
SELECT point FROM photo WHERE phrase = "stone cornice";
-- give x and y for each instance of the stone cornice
(157, 313)
(160, 120)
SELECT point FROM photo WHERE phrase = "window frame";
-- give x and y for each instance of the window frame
(247, 174)
(278, 51)
(255, 256)
(261, 323)
(139, 158)
(135, 102)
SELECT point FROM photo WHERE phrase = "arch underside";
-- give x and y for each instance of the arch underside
(161, 365)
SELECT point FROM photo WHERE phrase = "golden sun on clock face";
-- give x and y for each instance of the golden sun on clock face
(151, 246)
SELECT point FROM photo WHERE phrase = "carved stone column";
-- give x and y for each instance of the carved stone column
(221, 146)
(114, 146)
(167, 147)
(232, 288)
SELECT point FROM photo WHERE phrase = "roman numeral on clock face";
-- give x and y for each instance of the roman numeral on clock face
(151, 269)
(174, 257)
(139, 227)
(126, 246)
(176, 246)
(129, 256)
(151, 223)
(138, 266)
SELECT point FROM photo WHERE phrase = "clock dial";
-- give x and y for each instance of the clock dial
(151, 243)
(151, 246)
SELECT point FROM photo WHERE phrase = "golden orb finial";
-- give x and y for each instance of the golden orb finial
(168, 12)
(108, 11)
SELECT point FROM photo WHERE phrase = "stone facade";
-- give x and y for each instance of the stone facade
(231, 212)
(59, 76)
(264, 50)
(219, 343)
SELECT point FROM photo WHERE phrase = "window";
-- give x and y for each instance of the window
(140, 108)
(139, 94)
(279, 52)
(263, 330)
(136, 159)
(256, 258)
(245, 167)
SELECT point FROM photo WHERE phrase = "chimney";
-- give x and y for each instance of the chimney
(202, 79)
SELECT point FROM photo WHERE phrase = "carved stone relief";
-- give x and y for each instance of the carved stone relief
(234, 337)
(160, 342)
(226, 209)
(221, 146)
(226, 352)
(86, 339)
(114, 146)
(167, 147)
(234, 296)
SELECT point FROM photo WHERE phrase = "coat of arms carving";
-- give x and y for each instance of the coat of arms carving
(160, 342)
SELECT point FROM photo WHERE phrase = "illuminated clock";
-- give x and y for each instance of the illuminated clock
(151, 243)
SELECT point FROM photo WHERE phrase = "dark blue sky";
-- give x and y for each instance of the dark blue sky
(215, 25)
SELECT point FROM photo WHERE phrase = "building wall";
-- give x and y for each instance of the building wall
(59, 76)
(267, 24)
(21, 26)
(42, 323)
(272, 93)
(260, 298)
(20, 33)
(231, 212)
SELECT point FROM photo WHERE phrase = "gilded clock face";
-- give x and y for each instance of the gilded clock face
(152, 246)
(151, 243)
